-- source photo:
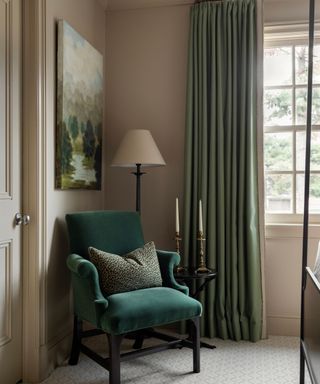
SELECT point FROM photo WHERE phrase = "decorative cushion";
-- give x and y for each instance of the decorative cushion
(137, 269)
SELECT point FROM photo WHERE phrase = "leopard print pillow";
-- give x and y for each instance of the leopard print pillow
(135, 270)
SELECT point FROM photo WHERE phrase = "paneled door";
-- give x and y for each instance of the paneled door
(10, 192)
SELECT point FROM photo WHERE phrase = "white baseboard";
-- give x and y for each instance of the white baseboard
(55, 353)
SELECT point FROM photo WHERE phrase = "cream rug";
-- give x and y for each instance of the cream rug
(272, 361)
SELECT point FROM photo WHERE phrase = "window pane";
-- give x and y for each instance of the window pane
(301, 106)
(278, 107)
(314, 200)
(278, 151)
(301, 57)
(279, 193)
(278, 66)
(315, 151)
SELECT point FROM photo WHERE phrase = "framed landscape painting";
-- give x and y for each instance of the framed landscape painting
(79, 112)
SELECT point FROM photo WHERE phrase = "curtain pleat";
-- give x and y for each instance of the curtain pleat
(221, 165)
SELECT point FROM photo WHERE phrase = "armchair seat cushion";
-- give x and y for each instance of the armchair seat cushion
(150, 307)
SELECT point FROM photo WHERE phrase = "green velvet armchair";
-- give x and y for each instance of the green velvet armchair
(122, 314)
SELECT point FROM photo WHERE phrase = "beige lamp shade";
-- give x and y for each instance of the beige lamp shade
(138, 147)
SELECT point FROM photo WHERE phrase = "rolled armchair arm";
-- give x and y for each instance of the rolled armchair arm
(89, 302)
(167, 261)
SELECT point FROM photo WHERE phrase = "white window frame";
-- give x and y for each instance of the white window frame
(289, 35)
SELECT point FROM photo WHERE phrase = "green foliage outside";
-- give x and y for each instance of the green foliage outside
(278, 157)
(315, 186)
(278, 152)
(301, 106)
(315, 154)
(277, 105)
(278, 147)
(278, 185)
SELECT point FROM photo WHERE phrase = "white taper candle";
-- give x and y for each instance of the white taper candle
(177, 216)
(200, 217)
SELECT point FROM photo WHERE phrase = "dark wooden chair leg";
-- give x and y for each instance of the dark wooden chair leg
(302, 365)
(138, 341)
(114, 351)
(76, 341)
(195, 337)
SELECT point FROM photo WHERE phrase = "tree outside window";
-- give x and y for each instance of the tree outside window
(285, 105)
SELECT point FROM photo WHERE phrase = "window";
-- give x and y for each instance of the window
(285, 105)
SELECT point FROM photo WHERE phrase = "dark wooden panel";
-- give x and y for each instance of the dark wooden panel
(311, 341)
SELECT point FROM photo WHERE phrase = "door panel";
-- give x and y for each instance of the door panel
(5, 292)
(10, 195)
(4, 97)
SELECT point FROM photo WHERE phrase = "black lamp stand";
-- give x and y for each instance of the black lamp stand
(138, 174)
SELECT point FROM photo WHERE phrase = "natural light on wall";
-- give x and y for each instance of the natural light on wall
(285, 105)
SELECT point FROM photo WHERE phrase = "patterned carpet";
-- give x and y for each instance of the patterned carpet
(272, 361)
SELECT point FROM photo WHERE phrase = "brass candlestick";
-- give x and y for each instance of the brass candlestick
(202, 265)
(178, 239)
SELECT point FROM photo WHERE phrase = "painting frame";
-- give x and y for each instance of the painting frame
(79, 112)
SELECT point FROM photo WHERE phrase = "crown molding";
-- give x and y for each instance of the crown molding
(121, 5)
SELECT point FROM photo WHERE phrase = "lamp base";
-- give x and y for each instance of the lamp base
(203, 269)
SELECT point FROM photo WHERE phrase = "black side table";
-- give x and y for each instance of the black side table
(188, 276)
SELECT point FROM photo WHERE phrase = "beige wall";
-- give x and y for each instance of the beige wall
(146, 63)
(283, 276)
(87, 17)
(286, 11)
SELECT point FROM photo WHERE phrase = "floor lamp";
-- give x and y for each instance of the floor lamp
(138, 150)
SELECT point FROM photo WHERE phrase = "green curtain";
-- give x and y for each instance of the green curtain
(221, 165)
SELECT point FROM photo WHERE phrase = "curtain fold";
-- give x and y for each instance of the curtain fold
(221, 164)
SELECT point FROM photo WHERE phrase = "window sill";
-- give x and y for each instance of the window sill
(287, 231)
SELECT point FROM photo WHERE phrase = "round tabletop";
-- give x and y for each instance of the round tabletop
(191, 273)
